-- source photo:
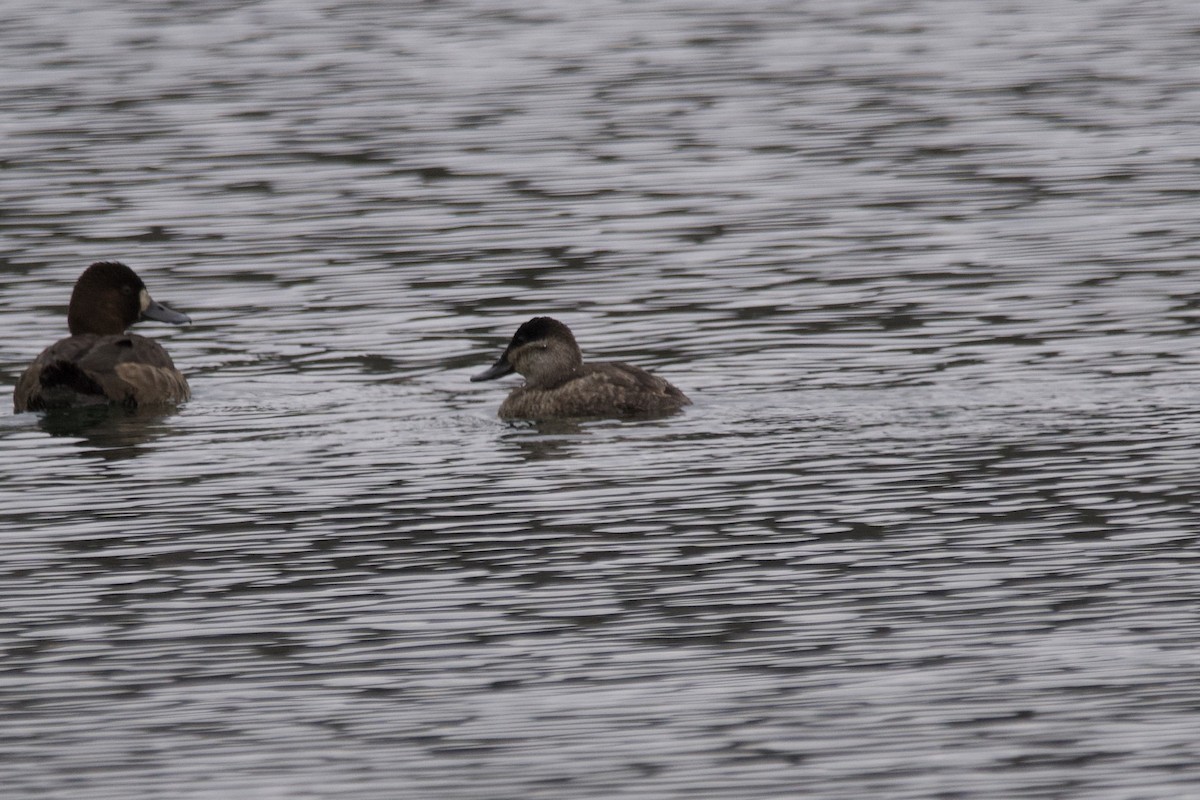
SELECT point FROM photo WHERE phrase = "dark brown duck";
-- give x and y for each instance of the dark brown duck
(558, 384)
(99, 363)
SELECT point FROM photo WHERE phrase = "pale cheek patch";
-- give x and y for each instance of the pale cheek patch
(144, 299)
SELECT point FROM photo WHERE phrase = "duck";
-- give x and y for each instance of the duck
(99, 363)
(560, 385)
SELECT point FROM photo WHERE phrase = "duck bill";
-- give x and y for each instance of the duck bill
(157, 311)
(497, 370)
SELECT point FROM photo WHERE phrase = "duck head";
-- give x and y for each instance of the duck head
(543, 350)
(109, 297)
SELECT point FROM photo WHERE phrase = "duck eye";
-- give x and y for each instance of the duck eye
(127, 290)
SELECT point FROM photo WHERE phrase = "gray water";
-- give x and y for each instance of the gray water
(928, 270)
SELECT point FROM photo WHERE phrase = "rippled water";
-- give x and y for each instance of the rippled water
(928, 270)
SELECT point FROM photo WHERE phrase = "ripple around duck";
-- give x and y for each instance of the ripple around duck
(927, 528)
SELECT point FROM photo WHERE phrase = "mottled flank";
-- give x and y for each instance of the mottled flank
(597, 390)
(558, 384)
(100, 363)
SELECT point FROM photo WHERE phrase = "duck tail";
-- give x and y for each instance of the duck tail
(64, 376)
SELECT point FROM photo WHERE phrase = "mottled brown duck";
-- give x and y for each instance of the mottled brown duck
(559, 384)
(99, 363)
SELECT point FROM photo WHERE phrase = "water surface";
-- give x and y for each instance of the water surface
(927, 270)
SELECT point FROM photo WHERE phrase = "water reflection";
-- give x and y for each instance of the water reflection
(112, 432)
